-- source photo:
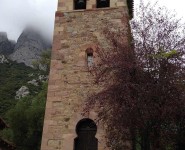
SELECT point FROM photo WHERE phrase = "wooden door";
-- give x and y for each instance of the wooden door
(86, 140)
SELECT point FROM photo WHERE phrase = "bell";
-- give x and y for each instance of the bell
(81, 2)
(103, 1)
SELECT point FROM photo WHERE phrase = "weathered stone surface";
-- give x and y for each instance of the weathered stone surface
(70, 82)
(22, 92)
(56, 144)
(3, 59)
(6, 46)
(29, 47)
(3, 36)
(33, 82)
(43, 78)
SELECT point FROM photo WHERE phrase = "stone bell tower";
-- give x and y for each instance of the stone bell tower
(78, 30)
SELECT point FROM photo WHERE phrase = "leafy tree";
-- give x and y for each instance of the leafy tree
(26, 121)
(143, 100)
(25, 116)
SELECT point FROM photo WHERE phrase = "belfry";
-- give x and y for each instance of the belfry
(79, 26)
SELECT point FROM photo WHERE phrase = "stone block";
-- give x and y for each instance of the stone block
(55, 144)
(70, 82)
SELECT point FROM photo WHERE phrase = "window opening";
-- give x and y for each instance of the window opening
(103, 3)
(90, 59)
(86, 130)
(80, 4)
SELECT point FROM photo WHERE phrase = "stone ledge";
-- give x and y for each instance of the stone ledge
(60, 13)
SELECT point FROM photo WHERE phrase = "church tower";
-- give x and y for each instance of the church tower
(79, 26)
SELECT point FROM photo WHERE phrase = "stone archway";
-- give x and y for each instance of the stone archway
(86, 130)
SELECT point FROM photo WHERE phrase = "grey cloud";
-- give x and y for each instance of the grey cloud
(15, 15)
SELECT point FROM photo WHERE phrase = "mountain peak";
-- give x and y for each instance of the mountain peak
(6, 46)
(3, 36)
(29, 47)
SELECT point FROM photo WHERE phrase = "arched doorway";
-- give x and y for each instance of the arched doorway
(86, 130)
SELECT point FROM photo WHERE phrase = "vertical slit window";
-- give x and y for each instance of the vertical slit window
(90, 60)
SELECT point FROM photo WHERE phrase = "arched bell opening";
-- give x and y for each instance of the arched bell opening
(80, 4)
(102, 3)
(86, 130)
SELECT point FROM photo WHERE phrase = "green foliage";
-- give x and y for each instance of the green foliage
(163, 55)
(12, 77)
(44, 62)
(7, 134)
(26, 121)
(25, 116)
(170, 54)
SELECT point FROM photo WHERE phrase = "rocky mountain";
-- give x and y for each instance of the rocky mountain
(6, 45)
(23, 89)
(17, 81)
(3, 59)
(29, 47)
(22, 92)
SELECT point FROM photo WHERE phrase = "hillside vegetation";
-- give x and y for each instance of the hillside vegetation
(12, 77)
(24, 115)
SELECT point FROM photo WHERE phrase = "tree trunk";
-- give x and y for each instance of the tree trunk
(180, 146)
(133, 134)
(145, 140)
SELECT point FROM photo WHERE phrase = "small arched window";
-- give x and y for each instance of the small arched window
(80, 4)
(86, 130)
(90, 59)
(102, 3)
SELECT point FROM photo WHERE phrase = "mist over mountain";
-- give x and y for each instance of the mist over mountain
(15, 16)
(30, 44)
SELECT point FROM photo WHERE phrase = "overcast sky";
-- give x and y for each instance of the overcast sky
(174, 5)
(16, 14)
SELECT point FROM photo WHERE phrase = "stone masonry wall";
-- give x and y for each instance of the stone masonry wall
(70, 82)
(68, 5)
